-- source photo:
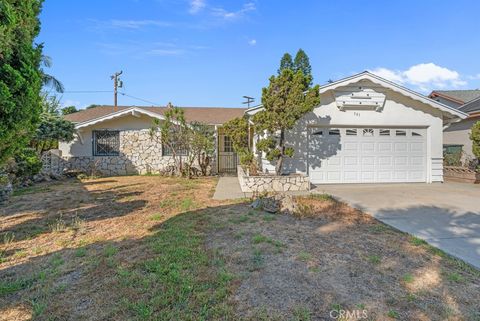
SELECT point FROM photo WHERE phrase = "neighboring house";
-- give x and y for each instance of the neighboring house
(456, 136)
(119, 143)
(369, 130)
(365, 130)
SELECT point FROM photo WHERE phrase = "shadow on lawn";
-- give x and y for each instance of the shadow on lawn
(78, 204)
(193, 267)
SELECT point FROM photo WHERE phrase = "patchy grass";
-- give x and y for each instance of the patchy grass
(157, 248)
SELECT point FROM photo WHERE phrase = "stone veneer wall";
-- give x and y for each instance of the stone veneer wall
(272, 183)
(139, 154)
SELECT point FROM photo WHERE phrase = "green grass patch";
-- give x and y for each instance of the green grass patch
(393, 314)
(80, 252)
(455, 277)
(157, 217)
(31, 190)
(407, 278)
(8, 287)
(321, 197)
(417, 241)
(304, 256)
(110, 250)
(186, 204)
(182, 280)
(374, 259)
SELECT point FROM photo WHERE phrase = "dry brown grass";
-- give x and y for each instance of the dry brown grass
(153, 248)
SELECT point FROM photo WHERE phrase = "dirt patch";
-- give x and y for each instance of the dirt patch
(332, 257)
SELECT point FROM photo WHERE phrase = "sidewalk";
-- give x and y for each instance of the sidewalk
(228, 188)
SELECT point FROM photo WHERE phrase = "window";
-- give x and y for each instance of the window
(416, 134)
(384, 132)
(167, 151)
(106, 143)
(400, 132)
(227, 144)
(334, 132)
(351, 132)
(318, 133)
(368, 132)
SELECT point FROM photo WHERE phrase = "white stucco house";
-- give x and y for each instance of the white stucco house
(456, 136)
(369, 130)
(365, 130)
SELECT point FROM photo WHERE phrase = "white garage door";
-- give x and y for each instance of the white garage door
(367, 155)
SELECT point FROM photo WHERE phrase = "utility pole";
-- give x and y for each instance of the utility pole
(249, 100)
(117, 83)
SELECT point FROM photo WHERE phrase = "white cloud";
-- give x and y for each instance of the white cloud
(231, 15)
(166, 52)
(197, 6)
(424, 76)
(252, 42)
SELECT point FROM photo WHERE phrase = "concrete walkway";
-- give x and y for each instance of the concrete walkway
(228, 188)
(445, 215)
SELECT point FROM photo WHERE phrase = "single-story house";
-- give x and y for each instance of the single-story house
(366, 130)
(118, 142)
(456, 136)
(369, 130)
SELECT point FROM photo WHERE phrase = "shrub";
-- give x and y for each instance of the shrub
(475, 137)
(27, 163)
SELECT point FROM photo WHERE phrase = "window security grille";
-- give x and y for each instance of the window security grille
(106, 143)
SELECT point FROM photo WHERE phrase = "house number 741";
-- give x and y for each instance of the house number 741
(356, 114)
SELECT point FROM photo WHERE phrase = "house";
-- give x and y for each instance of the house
(118, 142)
(366, 130)
(369, 130)
(456, 136)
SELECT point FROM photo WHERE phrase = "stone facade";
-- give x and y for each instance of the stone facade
(272, 183)
(139, 154)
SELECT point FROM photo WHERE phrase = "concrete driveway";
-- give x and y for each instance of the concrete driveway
(445, 215)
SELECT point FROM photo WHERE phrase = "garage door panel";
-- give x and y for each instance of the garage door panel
(381, 155)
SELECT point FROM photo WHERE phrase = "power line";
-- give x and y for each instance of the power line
(86, 91)
(141, 99)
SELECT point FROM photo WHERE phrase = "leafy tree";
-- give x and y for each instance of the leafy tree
(287, 98)
(20, 74)
(285, 63)
(174, 135)
(237, 129)
(91, 106)
(69, 110)
(52, 127)
(475, 138)
(201, 146)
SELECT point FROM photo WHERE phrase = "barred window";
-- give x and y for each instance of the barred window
(167, 151)
(106, 143)
(227, 144)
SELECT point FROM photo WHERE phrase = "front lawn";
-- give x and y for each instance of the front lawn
(154, 248)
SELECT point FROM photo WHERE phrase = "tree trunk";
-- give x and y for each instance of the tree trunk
(279, 165)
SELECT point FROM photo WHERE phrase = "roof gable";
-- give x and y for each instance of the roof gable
(447, 110)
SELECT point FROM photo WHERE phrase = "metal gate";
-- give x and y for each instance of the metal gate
(227, 163)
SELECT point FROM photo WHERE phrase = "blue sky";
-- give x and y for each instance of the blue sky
(211, 53)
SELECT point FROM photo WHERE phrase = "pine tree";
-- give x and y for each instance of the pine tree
(285, 63)
(302, 63)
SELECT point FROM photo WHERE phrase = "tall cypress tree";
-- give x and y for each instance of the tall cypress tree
(302, 63)
(285, 63)
(20, 75)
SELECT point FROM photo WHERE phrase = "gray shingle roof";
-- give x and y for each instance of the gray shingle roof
(462, 95)
(472, 106)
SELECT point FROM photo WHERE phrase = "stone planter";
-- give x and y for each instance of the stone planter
(272, 183)
(461, 174)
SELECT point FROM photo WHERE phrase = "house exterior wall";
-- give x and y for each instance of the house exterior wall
(459, 134)
(139, 153)
(398, 111)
